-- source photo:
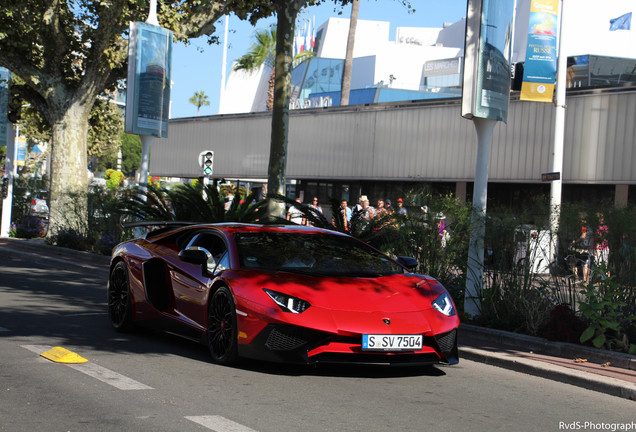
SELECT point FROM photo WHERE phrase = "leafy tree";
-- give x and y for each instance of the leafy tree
(68, 53)
(199, 99)
(106, 125)
(131, 153)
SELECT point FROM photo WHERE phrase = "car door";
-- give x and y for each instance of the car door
(190, 283)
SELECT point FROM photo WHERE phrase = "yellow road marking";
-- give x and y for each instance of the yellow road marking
(62, 355)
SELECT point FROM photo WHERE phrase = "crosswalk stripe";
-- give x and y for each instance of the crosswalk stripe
(219, 424)
(98, 372)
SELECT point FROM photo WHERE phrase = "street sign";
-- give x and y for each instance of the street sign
(552, 176)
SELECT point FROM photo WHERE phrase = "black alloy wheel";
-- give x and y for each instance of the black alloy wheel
(222, 327)
(119, 301)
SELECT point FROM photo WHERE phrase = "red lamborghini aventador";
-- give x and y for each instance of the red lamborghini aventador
(282, 293)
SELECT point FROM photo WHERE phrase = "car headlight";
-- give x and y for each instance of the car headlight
(444, 304)
(288, 303)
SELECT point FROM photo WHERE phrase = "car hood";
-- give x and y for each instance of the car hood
(394, 293)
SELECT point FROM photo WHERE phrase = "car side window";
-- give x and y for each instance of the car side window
(219, 258)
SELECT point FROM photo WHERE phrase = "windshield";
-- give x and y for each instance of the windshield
(317, 254)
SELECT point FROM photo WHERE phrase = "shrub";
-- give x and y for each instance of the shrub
(563, 325)
(29, 227)
(72, 239)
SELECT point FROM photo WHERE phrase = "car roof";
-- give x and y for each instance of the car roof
(235, 227)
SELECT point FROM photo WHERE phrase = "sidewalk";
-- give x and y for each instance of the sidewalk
(598, 370)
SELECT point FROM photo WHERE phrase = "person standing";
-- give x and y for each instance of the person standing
(401, 209)
(388, 206)
(344, 215)
(368, 212)
(315, 209)
(295, 215)
(442, 233)
(380, 210)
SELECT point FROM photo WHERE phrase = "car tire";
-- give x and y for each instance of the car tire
(119, 298)
(222, 331)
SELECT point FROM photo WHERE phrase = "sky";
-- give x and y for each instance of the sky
(197, 66)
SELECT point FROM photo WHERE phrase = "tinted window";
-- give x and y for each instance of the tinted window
(321, 254)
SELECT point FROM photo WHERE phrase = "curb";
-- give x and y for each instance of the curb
(543, 346)
(608, 385)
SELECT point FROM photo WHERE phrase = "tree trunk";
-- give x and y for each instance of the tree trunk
(348, 63)
(287, 11)
(69, 179)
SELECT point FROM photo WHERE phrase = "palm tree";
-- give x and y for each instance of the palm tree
(199, 99)
(263, 52)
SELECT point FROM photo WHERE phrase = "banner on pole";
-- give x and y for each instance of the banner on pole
(21, 146)
(148, 89)
(486, 86)
(539, 72)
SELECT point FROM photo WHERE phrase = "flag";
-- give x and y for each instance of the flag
(296, 44)
(308, 37)
(623, 22)
(313, 34)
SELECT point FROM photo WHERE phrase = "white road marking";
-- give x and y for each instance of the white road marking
(2, 329)
(219, 424)
(98, 372)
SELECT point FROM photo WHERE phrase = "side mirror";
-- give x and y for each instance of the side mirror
(195, 255)
(408, 262)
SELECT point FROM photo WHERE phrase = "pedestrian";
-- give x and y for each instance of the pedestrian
(228, 200)
(380, 210)
(442, 233)
(368, 212)
(315, 209)
(401, 209)
(295, 215)
(344, 215)
(424, 216)
(601, 246)
(583, 248)
(388, 206)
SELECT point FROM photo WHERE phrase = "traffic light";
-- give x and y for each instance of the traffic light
(14, 111)
(5, 188)
(206, 161)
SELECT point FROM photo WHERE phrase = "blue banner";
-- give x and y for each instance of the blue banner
(539, 72)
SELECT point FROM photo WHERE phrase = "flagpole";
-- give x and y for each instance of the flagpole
(224, 63)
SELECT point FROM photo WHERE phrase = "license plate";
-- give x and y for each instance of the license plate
(380, 342)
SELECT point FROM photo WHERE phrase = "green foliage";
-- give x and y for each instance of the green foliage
(131, 153)
(608, 315)
(113, 178)
(106, 125)
(69, 53)
(262, 51)
(188, 203)
(514, 296)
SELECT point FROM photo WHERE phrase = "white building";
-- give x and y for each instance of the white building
(419, 59)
